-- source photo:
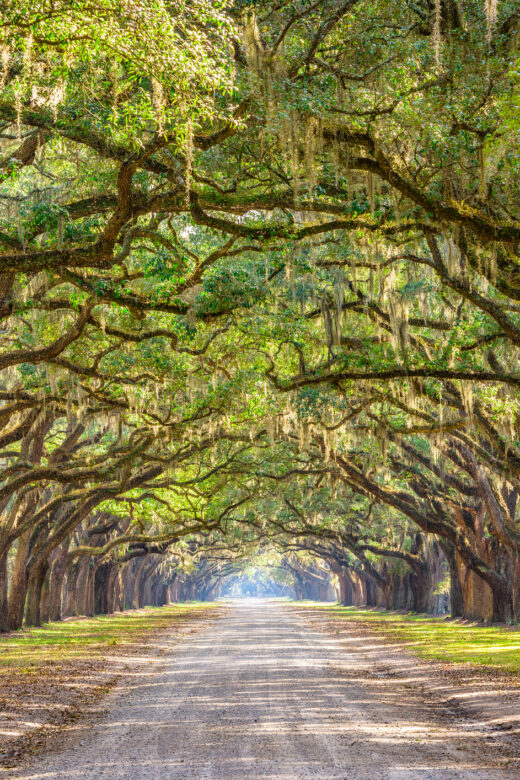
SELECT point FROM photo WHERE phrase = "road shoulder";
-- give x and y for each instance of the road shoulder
(481, 701)
(50, 691)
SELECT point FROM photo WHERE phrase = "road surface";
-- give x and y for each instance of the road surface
(259, 694)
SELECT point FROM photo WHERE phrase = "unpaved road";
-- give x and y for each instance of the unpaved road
(258, 694)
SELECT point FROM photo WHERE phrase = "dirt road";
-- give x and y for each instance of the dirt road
(258, 694)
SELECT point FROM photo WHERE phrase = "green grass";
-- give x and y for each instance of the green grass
(440, 639)
(29, 649)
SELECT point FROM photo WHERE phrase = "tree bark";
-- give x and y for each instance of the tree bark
(137, 597)
(420, 585)
(71, 579)
(101, 585)
(17, 594)
(59, 569)
(4, 622)
(45, 604)
(34, 593)
(503, 611)
(345, 589)
(456, 593)
(82, 586)
(111, 588)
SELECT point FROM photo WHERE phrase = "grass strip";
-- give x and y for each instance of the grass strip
(439, 638)
(27, 650)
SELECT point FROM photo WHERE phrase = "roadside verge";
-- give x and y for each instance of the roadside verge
(470, 671)
(50, 676)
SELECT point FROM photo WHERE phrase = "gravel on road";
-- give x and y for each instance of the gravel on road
(260, 694)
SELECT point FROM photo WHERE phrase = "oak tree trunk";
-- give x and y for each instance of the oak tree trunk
(34, 593)
(4, 623)
(18, 590)
(59, 569)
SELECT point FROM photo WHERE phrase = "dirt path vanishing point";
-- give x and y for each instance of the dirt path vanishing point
(259, 694)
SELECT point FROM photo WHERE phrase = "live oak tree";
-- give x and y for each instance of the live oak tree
(259, 290)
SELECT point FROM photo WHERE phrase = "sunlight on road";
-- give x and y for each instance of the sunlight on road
(260, 695)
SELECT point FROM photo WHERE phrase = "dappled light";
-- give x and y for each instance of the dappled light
(259, 294)
(259, 339)
(261, 695)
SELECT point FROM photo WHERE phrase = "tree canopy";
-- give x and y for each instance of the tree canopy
(260, 300)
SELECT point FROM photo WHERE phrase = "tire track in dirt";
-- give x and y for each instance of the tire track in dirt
(260, 694)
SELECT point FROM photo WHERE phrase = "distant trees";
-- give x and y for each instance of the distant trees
(259, 290)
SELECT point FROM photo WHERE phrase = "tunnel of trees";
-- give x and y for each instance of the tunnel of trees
(260, 299)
